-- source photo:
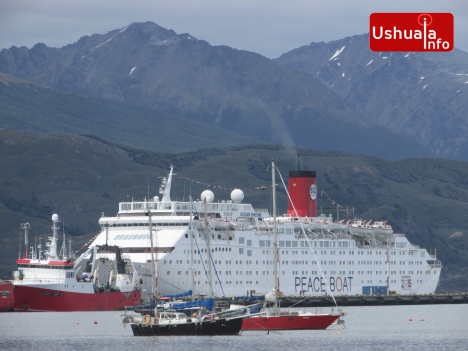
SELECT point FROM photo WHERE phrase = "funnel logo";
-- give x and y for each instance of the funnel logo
(313, 192)
(411, 32)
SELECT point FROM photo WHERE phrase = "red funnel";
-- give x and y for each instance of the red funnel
(303, 191)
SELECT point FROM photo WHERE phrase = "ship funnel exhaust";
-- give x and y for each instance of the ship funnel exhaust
(303, 191)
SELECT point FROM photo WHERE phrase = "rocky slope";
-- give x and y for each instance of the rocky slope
(421, 95)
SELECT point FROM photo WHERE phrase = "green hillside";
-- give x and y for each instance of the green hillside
(79, 177)
(26, 106)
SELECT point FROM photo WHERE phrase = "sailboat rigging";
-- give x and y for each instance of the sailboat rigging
(155, 322)
(276, 319)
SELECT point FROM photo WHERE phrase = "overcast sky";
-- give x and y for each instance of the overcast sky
(268, 27)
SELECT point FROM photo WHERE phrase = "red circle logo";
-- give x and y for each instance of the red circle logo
(426, 17)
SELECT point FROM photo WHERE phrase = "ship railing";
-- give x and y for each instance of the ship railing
(41, 280)
(199, 206)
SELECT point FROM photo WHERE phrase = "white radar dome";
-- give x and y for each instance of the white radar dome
(55, 217)
(237, 195)
(208, 195)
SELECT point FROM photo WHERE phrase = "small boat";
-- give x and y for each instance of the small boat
(168, 323)
(48, 282)
(339, 226)
(381, 228)
(219, 223)
(6, 296)
(290, 321)
(360, 227)
(320, 223)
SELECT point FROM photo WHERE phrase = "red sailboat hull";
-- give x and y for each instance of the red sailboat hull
(6, 296)
(37, 299)
(289, 322)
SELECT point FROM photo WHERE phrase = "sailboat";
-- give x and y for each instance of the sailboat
(160, 322)
(276, 319)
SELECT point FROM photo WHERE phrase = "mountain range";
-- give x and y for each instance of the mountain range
(239, 91)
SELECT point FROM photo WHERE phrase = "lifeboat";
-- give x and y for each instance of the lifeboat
(219, 223)
(339, 226)
(360, 227)
(381, 228)
(320, 223)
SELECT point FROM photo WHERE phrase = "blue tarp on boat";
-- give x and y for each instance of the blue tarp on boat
(187, 293)
(206, 303)
(255, 308)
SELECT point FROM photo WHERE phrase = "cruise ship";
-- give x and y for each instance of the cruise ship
(225, 247)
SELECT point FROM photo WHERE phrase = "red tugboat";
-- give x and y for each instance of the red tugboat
(303, 192)
(47, 281)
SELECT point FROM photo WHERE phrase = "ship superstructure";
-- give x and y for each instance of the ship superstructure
(226, 247)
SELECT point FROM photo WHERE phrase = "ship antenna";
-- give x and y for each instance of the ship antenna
(19, 251)
(63, 250)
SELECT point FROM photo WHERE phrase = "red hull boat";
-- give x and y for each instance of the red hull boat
(40, 300)
(289, 322)
(6, 296)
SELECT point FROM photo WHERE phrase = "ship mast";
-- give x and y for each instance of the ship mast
(388, 264)
(165, 187)
(52, 252)
(26, 227)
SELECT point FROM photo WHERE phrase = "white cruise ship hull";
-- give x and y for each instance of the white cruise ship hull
(312, 261)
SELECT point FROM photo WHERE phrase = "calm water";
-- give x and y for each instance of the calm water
(445, 327)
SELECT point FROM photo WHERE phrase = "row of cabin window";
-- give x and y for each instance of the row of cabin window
(155, 224)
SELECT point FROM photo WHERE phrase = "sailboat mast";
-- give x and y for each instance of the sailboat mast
(388, 265)
(208, 249)
(191, 248)
(275, 232)
(153, 269)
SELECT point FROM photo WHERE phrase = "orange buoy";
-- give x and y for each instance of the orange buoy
(411, 319)
(421, 320)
